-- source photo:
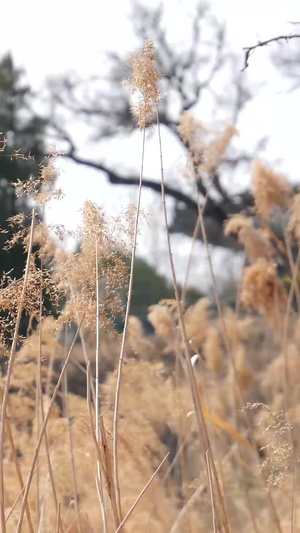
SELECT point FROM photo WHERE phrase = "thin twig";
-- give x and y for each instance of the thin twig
(250, 49)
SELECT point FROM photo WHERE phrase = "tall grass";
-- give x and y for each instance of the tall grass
(192, 428)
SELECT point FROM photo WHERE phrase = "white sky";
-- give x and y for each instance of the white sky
(49, 38)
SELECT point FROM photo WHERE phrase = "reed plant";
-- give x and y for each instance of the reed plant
(192, 428)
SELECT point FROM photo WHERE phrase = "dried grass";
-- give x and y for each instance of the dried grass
(170, 442)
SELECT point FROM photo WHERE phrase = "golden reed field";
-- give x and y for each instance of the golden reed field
(192, 428)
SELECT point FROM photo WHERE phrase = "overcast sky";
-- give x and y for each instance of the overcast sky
(49, 38)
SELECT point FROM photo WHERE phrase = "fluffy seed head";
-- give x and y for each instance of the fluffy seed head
(269, 189)
(212, 350)
(262, 291)
(144, 83)
(191, 130)
(206, 146)
(216, 148)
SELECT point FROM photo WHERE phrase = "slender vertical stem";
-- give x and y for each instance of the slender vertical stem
(108, 478)
(71, 448)
(57, 529)
(122, 351)
(10, 368)
(84, 348)
(292, 528)
(211, 492)
(102, 504)
(229, 352)
(38, 404)
(97, 393)
(202, 429)
(97, 348)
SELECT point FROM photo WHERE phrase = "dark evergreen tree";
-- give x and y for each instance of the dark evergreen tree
(24, 132)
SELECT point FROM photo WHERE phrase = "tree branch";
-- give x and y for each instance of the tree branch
(116, 179)
(250, 49)
(215, 213)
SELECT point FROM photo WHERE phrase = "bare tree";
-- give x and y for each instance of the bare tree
(188, 75)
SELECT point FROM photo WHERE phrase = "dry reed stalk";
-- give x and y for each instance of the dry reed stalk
(294, 271)
(293, 499)
(189, 264)
(38, 396)
(292, 265)
(229, 351)
(286, 386)
(10, 368)
(40, 407)
(107, 462)
(182, 437)
(43, 519)
(18, 471)
(236, 397)
(84, 349)
(38, 403)
(140, 495)
(108, 477)
(211, 492)
(97, 356)
(15, 502)
(101, 501)
(42, 432)
(202, 428)
(122, 351)
(71, 448)
(194, 238)
(189, 504)
(57, 528)
(164, 479)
